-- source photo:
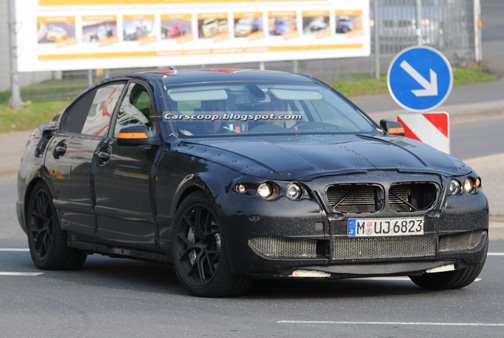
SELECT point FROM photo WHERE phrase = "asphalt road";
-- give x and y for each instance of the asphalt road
(113, 297)
(477, 138)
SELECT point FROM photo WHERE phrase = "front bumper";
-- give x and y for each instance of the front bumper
(308, 237)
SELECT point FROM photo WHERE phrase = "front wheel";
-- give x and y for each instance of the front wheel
(199, 257)
(47, 242)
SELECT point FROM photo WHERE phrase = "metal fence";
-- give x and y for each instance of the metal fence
(448, 25)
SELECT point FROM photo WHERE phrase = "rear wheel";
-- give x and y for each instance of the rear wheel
(450, 280)
(47, 242)
(198, 251)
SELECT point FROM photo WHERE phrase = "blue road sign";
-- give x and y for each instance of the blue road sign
(420, 78)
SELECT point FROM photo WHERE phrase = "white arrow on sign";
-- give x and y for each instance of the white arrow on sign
(430, 87)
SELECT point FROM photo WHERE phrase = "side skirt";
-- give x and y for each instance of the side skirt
(119, 252)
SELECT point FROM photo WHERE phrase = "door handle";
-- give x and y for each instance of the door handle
(59, 150)
(103, 156)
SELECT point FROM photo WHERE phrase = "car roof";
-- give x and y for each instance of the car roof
(219, 75)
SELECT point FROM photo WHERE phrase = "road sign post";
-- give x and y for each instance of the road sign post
(420, 79)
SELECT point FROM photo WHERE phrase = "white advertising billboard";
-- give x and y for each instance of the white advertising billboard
(89, 34)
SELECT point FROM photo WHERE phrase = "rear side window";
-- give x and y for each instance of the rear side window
(101, 110)
(76, 114)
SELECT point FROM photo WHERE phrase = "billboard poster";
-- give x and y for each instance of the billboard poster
(89, 34)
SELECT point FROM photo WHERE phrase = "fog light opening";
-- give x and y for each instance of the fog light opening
(310, 274)
(442, 268)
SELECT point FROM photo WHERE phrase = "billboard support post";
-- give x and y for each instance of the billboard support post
(478, 50)
(419, 22)
(90, 78)
(15, 100)
(376, 21)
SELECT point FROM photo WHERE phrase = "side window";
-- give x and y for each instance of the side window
(74, 117)
(136, 108)
(101, 110)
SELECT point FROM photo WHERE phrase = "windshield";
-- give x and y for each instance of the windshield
(224, 109)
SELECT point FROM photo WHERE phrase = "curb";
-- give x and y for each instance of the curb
(458, 113)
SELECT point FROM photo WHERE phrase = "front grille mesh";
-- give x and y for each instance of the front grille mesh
(461, 242)
(369, 198)
(407, 197)
(343, 249)
(283, 247)
(398, 194)
(355, 198)
(382, 248)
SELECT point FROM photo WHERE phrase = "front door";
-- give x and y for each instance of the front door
(124, 176)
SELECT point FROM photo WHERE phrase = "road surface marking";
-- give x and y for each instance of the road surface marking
(14, 250)
(396, 279)
(20, 274)
(496, 254)
(387, 323)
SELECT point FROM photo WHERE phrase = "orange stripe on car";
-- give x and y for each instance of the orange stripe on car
(396, 130)
(132, 135)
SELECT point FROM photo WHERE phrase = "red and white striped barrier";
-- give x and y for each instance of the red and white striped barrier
(430, 128)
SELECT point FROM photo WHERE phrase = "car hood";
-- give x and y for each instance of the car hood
(308, 156)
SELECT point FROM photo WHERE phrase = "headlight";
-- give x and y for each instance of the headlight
(477, 183)
(265, 190)
(241, 188)
(455, 187)
(294, 191)
(469, 185)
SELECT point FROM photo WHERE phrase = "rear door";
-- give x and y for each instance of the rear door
(70, 155)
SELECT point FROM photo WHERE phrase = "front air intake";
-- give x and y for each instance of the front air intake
(408, 197)
(355, 198)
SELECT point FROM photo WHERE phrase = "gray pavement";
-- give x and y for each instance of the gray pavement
(467, 102)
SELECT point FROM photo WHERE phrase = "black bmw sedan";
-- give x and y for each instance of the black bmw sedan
(231, 175)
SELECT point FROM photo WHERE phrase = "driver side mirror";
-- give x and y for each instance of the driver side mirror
(392, 127)
(135, 135)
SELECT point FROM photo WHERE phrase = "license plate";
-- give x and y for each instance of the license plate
(380, 227)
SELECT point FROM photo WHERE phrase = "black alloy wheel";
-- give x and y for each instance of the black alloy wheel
(41, 224)
(48, 243)
(200, 248)
(198, 251)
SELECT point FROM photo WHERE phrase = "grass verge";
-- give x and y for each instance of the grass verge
(367, 85)
(28, 117)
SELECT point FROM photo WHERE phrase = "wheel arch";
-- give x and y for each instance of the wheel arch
(28, 191)
(190, 184)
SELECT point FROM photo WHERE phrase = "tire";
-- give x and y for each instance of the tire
(47, 242)
(450, 280)
(199, 258)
